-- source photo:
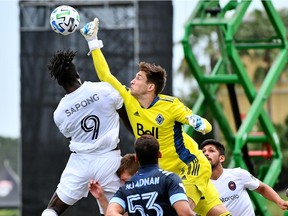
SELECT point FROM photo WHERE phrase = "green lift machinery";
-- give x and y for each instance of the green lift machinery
(231, 72)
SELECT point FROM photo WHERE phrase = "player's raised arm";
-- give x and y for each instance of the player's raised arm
(90, 31)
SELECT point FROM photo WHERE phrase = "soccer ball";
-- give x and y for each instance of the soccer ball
(64, 20)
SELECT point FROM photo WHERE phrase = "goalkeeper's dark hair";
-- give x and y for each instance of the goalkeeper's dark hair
(155, 74)
(147, 149)
(62, 68)
(217, 144)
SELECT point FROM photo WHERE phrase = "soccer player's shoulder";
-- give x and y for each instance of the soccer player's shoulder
(167, 98)
(169, 175)
(237, 171)
(105, 85)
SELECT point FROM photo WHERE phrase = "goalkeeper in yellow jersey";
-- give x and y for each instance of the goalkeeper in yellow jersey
(162, 116)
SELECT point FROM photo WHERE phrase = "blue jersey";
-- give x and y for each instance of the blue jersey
(151, 191)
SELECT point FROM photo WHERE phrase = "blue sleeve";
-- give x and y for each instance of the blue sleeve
(119, 199)
(176, 189)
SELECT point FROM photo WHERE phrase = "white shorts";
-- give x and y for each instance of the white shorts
(81, 168)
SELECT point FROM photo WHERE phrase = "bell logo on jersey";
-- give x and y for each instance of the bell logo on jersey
(141, 131)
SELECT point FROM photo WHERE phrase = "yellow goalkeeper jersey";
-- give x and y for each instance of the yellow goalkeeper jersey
(164, 120)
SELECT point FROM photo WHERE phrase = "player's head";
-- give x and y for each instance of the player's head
(147, 150)
(128, 167)
(214, 151)
(220, 147)
(150, 77)
(62, 68)
(155, 74)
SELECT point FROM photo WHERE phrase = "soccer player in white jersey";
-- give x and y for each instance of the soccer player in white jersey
(233, 183)
(89, 116)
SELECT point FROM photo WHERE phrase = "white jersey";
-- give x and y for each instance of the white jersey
(88, 116)
(232, 186)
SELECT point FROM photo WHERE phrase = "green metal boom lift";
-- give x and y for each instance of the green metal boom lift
(230, 71)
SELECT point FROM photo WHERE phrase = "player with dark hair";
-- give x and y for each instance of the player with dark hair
(233, 184)
(151, 191)
(87, 115)
(163, 116)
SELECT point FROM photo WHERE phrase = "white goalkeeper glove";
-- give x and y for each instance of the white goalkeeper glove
(197, 123)
(90, 31)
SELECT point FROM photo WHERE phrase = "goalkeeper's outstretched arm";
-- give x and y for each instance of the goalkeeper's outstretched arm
(90, 31)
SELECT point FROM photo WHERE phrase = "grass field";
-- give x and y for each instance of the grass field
(9, 212)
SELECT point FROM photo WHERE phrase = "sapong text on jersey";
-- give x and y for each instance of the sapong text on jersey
(81, 104)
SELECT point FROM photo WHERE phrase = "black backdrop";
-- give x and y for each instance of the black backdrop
(131, 32)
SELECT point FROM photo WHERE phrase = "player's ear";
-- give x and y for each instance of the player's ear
(159, 154)
(151, 86)
(221, 158)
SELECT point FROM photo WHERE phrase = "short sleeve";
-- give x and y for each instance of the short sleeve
(250, 182)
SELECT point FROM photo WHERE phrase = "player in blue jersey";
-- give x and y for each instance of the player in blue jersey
(151, 191)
